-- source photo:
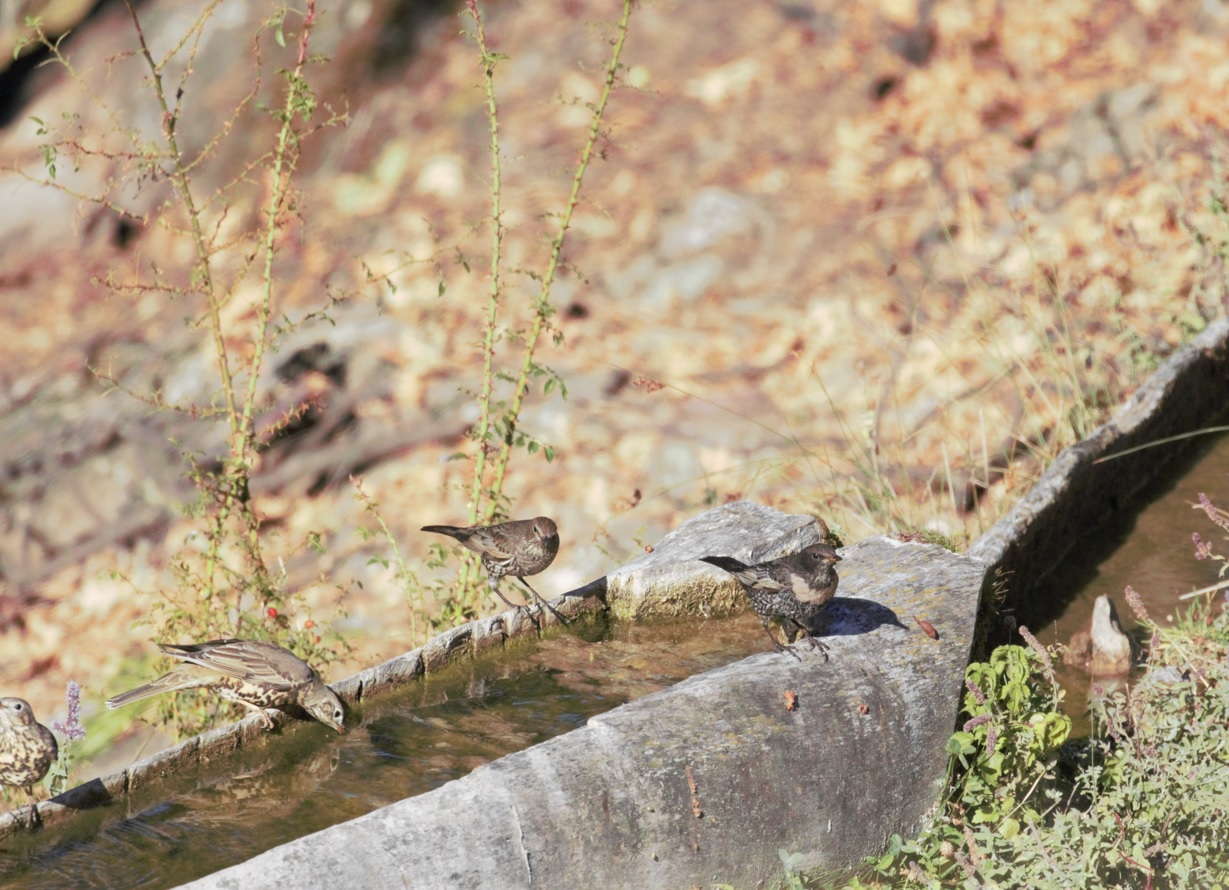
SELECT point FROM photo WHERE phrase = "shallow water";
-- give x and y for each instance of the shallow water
(408, 743)
(1154, 555)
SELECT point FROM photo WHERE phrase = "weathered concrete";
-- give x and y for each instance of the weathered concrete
(705, 781)
(1076, 496)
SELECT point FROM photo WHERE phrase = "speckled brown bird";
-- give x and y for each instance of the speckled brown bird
(27, 749)
(254, 673)
(792, 590)
(519, 548)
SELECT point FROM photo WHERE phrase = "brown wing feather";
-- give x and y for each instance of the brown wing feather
(249, 660)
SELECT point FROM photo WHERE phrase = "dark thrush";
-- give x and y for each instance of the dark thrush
(254, 673)
(792, 590)
(519, 548)
(27, 749)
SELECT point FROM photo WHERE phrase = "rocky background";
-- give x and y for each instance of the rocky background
(870, 261)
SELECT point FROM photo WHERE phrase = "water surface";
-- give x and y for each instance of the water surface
(1154, 554)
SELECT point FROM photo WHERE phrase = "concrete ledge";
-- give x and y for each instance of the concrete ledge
(705, 781)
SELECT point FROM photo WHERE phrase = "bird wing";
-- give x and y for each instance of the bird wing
(494, 546)
(759, 578)
(752, 576)
(249, 660)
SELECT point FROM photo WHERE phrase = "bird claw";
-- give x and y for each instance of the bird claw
(544, 604)
(816, 644)
(788, 649)
(527, 610)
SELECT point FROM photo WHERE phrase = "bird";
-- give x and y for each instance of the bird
(1104, 648)
(518, 548)
(792, 590)
(253, 673)
(27, 749)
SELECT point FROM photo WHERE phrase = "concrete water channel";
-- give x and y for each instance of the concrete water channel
(490, 759)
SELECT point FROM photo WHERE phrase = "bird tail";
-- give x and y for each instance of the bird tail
(169, 682)
(451, 531)
(728, 563)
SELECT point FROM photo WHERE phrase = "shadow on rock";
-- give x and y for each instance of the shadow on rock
(848, 616)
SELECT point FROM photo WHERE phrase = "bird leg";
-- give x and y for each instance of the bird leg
(494, 582)
(35, 819)
(542, 602)
(776, 646)
(264, 715)
(806, 632)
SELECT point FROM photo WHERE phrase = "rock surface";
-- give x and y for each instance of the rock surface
(669, 581)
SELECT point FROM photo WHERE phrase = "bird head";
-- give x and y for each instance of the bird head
(16, 712)
(819, 555)
(547, 532)
(323, 704)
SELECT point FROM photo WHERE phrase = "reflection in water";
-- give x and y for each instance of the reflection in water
(409, 743)
(1156, 557)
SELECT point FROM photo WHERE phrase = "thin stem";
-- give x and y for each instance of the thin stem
(542, 307)
(489, 60)
(179, 175)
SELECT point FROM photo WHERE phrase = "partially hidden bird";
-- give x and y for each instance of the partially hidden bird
(518, 548)
(27, 749)
(791, 590)
(1104, 649)
(253, 673)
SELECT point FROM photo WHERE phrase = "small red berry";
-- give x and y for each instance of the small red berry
(271, 612)
(309, 624)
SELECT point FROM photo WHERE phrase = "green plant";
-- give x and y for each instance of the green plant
(1000, 778)
(403, 575)
(1140, 804)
